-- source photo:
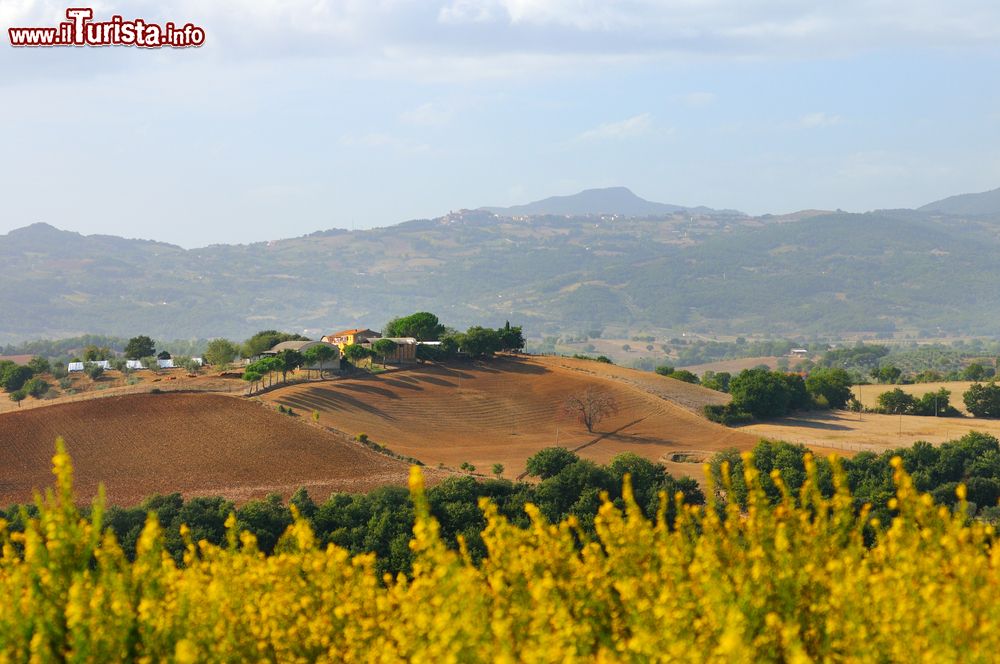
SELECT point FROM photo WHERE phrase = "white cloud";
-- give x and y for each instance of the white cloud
(820, 119)
(698, 99)
(428, 115)
(451, 38)
(636, 125)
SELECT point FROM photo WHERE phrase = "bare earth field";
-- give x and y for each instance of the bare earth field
(868, 394)
(505, 410)
(112, 383)
(850, 432)
(195, 444)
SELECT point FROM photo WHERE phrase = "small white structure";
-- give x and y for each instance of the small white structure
(75, 366)
(165, 364)
(799, 352)
(134, 365)
(197, 360)
(104, 364)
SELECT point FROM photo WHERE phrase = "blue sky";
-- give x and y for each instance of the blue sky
(300, 115)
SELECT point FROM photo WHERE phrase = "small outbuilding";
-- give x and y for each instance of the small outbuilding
(302, 347)
(405, 352)
(74, 366)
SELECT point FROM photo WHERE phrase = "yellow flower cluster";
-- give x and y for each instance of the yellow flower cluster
(793, 582)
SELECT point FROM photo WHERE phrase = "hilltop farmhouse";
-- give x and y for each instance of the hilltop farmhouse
(348, 337)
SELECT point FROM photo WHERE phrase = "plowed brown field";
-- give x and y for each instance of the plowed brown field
(197, 444)
(505, 410)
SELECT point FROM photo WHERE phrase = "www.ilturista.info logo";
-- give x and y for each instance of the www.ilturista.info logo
(81, 30)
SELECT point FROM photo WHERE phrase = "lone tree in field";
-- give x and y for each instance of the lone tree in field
(590, 407)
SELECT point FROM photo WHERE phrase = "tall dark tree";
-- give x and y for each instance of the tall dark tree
(760, 392)
(510, 337)
(833, 384)
(139, 347)
(423, 326)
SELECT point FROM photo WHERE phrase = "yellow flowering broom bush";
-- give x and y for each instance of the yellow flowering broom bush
(789, 582)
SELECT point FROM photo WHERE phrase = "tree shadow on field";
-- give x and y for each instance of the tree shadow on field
(405, 385)
(810, 423)
(437, 381)
(330, 400)
(639, 440)
(368, 389)
(519, 366)
(439, 369)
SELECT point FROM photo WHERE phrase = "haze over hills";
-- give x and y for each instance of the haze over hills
(609, 200)
(987, 202)
(818, 273)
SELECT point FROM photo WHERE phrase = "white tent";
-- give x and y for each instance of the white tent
(165, 364)
(197, 360)
(135, 365)
(104, 364)
(75, 366)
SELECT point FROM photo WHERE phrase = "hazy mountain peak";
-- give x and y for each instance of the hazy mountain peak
(607, 200)
(38, 229)
(987, 202)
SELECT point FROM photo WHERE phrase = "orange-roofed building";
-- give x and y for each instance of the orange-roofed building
(348, 337)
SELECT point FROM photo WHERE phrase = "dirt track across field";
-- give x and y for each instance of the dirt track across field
(195, 444)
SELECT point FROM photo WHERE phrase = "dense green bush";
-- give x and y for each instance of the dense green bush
(983, 400)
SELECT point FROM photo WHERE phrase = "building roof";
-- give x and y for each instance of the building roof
(344, 333)
(402, 340)
(297, 346)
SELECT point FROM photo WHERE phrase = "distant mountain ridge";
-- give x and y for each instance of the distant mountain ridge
(807, 273)
(987, 202)
(606, 201)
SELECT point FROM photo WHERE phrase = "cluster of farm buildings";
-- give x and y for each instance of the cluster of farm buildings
(405, 350)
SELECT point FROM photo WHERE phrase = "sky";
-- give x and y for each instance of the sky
(304, 115)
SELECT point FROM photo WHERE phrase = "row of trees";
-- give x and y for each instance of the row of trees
(262, 372)
(381, 521)
(898, 402)
(892, 374)
(980, 400)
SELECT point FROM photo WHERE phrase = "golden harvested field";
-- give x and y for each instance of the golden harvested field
(196, 444)
(850, 432)
(868, 394)
(505, 410)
